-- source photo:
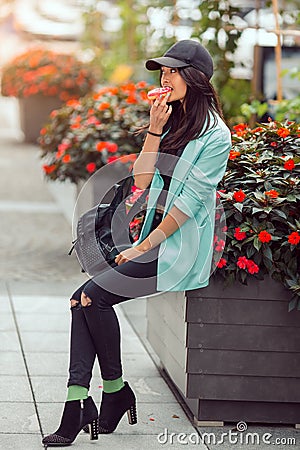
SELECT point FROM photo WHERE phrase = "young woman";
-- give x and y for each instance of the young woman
(183, 159)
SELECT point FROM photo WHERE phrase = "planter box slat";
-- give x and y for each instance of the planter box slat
(239, 337)
(253, 411)
(171, 320)
(169, 340)
(237, 311)
(233, 387)
(255, 290)
(235, 362)
(173, 368)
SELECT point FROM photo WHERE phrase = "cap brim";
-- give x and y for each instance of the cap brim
(156, 63)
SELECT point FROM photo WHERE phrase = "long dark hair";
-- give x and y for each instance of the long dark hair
(190, 118)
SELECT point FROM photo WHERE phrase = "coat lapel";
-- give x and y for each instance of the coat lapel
(181, 171)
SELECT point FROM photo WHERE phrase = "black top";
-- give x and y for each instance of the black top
(165, 164)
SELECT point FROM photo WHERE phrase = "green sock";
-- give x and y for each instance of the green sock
(76, 392)
(110, 386)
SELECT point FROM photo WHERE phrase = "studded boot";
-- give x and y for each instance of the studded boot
(76, 415)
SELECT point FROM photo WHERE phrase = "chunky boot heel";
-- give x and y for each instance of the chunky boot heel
(132, 415)
(76, 415)
(94, 429)
(114, 406)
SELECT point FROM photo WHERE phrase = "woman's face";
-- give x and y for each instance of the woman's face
(172, 78)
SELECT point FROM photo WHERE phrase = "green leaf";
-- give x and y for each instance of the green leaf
(292, 304)
(267, 253)
(257, 244)
(255, 210)
(238, 206)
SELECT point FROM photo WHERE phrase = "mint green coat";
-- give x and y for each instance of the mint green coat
(184, 259)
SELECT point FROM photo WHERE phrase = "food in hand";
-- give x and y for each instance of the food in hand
(157, 92)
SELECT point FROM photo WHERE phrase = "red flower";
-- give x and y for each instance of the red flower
(272, 193)
(294, 238)
(100, 146)
(240, 127)
(257, 130)
(103, 106)
(111, 159)
(233, 154)
(252, 267)
(66, 159)
(221, 263)
(48, 169)
(91, 167)
(242, 262)
(273, 144)
(43, 131)
(239, 196)
(264, 236)
(283, 132)
(239, 235)
(111, 147)
(289, 164)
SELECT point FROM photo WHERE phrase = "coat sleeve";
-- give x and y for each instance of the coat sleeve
(206, 173)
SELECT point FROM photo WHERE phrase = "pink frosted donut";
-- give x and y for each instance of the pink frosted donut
(157, 92)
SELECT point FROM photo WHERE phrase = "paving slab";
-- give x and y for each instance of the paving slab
(12, 363)
(7, 322)
(40, 304)
(38, 341)
(18, 417)
(9, 341)
(15, 388)
(20, 441)
(52, 323)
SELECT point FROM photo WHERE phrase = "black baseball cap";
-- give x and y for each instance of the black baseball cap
(184, 53)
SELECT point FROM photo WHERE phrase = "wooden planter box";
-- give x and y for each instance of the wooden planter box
(234, 354)
(34, 112)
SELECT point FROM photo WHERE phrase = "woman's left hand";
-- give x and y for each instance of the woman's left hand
(128, 254)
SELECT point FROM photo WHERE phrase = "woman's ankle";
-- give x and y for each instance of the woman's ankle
(110, 386)
(76, 392)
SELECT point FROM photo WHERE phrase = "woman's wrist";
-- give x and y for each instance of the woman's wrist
(144, 246)
(155, 130)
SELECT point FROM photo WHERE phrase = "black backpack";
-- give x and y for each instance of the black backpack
(103, 231)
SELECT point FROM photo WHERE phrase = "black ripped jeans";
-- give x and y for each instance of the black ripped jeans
(95, 329)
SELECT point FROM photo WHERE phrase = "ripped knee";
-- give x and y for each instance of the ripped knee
(85, 300)
(73, 302)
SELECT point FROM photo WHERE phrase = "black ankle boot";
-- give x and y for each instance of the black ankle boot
(76, 415)
(113, 407)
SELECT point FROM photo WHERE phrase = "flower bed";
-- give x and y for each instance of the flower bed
(95, 130)
(260, 194)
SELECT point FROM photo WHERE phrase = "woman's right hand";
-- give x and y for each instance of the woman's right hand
(159, 114)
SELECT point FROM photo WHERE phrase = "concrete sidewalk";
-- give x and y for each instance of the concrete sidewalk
(37, 279)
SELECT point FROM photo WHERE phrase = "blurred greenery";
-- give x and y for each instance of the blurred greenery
(148, 28)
